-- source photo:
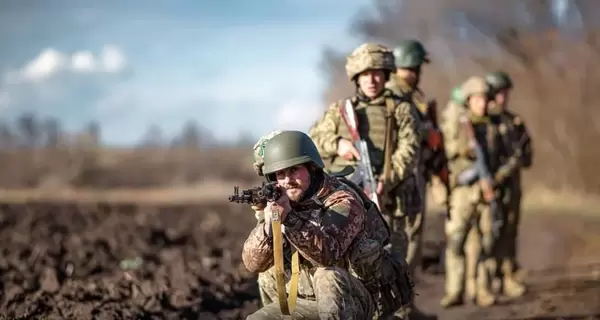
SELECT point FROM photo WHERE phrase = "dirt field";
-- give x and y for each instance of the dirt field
(68, 261)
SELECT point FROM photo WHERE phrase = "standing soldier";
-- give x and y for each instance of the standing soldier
(369, 67)
(517, 139)
(455, 108)
(470, 200)
(382, 119)
(409, 58)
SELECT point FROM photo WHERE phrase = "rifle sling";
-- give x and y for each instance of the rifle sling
(389, 131)
(287, 305)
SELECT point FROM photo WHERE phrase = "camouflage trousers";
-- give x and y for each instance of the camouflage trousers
(505, 267)
(506, 252)
(329, 293)
(405, 210)
(470, 218)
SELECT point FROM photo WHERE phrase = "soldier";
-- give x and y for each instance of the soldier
(369, 67)
(516, 137)
(409, 57)
(468, 207)
(455, 108)
(338, 233)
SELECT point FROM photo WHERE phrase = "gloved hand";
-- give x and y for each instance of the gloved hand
(259, 212)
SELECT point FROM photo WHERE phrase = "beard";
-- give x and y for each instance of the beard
(293, 191)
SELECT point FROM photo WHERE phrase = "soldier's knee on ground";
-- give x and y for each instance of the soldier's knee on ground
(267, 287)
(333, 292)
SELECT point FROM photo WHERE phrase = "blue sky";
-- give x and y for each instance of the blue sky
(234, 66)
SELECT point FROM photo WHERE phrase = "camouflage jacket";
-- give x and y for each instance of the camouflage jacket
(517, 140)
(459, 151)
(321, 228)
(433, 156)
(327, 131)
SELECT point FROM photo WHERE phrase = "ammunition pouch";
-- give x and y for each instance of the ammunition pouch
(408, 190)
(384, 274)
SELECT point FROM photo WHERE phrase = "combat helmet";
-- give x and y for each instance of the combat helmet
(474, 85)
(499, 80)
(288, 149)
(410, 54)
(369, 56)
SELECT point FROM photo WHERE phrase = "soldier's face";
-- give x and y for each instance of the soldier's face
(409, 75)
(478, 104)
(295, 180)
(371, 82)
(502, 98)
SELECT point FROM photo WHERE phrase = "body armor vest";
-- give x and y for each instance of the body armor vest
(371, 127)
(487, 137)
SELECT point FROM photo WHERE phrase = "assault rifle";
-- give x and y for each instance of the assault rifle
(257, 195)
(363, 175)
(481, 173)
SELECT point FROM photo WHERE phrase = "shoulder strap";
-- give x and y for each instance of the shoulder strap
(390, 128)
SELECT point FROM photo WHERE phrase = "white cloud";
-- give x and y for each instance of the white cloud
(45, 65)
(83, 61)
(297, 115)
(113, 59)
(50, 62)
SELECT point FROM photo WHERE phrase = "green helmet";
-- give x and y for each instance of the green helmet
(499, 80)
(288, 149)
(457, 96)
(410, 54)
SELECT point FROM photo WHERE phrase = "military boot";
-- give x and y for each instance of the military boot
(470, 289)
(484, 296)
(454, 279)
(512, 288)
(452, 300)
(511, 282)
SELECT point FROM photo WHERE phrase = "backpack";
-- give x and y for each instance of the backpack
(384, 273)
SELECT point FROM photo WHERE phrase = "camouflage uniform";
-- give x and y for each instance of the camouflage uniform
(455, 108)
(339, 238)
(516, 138)
(468, 209)
(412, 55)
(401, 194)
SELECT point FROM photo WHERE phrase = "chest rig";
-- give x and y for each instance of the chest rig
(376, 123)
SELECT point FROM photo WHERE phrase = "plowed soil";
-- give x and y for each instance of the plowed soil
(128, 261)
